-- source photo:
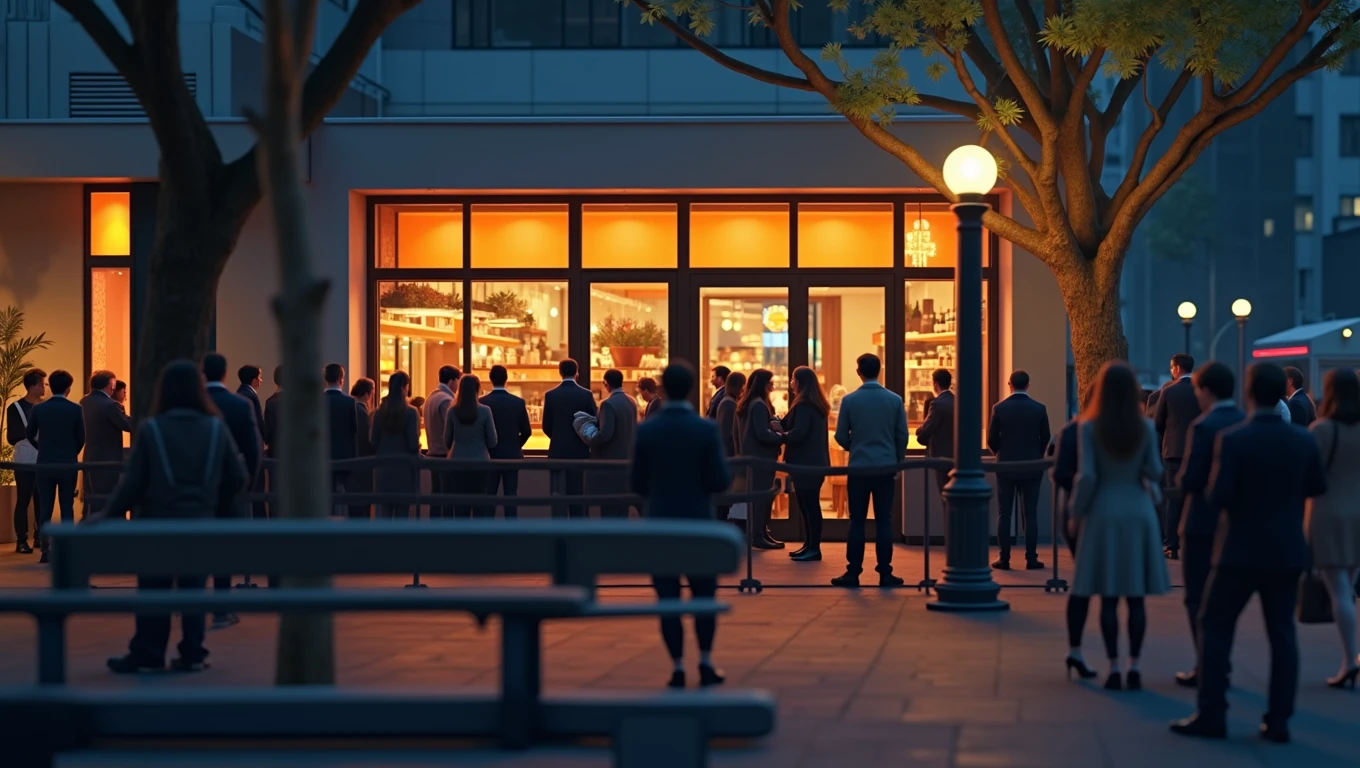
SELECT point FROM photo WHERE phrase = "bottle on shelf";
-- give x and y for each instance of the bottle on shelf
(914, 323)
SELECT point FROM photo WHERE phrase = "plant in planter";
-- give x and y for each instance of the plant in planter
(419, 296)
(506, 305)
(14, 363)
(628, 340)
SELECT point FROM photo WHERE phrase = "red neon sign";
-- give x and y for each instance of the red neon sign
(1280, 352)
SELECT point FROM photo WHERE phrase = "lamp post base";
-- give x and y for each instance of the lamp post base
(967, 585)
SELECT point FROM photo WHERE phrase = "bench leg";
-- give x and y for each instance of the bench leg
(660, 742)
(521, 680)
(51, 649)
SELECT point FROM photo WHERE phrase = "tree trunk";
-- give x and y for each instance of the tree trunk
(1091, 294)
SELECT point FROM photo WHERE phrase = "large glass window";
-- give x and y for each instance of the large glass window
(111, 321)
(932, 237)
(629, 330)
(931, 344)
(746, 329)
(420, 329)
(523, 326)
(110, 224)
(430, 238)
(737, 235)
(519, 236)
(637, 236)
(845, 235)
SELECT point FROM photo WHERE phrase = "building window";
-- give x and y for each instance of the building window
(519, 236)
(523, 326)
(1351, 64)
(931, 344)
(1303, 214)
(932, 237)
(110, 224)
(1269, 228)
(843, 323)
(640, 236)
(1349, 139)
(845, 235)
(110, 314)
(1350, 207)
(427, 238)
(1303, 136)
(630, 331)
(736, 235)
(420, 329)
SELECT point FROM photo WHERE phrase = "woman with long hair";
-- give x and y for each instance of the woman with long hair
(805, 444)
(470, 433)
(361, 480)
(727, 428)
(1332, 520)
(1119, 550)
(184, 464)
(758, 439)
(396, 432)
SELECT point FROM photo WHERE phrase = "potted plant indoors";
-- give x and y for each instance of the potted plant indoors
(628, 341)
(14, 363)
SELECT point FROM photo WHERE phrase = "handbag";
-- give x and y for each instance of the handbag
(24, 452)
(1315, 601)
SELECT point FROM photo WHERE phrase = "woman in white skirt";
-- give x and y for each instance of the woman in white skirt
(1119, 550)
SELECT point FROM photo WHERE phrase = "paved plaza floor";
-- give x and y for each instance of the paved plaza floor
(866, 678)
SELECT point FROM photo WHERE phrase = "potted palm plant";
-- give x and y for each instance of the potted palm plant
(628, 341)
(14, 363)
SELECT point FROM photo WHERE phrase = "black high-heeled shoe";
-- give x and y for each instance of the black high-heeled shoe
(1133, 681)
(1344, 680)
(1114, 682)
(1077, 665)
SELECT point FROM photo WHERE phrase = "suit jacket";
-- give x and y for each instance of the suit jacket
(711, 412)
(726, 416)
(937, 433)
(400, 442)
(1264, 471)
(269, 428)
(618, 423)
(1301, 409)
(364, 428)
(1151, 409)
(1176, 409)
(342, 416)
(1018, 430)
(510, 416)
(678, 464)
(1067, 451)
(436, 414)
(206, 477)
(253, 397)
(1198, 518)
(105, 423)
(56, 427)
(653, 408)
(872, 426)
(470, 441)
(239, 417)
(560, 405)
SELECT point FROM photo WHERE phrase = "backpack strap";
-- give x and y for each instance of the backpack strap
(22, 416)
(155, 432)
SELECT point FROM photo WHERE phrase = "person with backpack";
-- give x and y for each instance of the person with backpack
(184, 465)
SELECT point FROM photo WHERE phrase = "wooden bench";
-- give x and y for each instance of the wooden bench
(653, 730)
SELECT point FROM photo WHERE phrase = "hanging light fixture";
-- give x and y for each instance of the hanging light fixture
(920, 247)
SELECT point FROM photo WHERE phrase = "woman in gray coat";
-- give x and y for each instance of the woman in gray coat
(470, 433)
(805, 444)
(726, 415)
(184, 464)
(396, 432)
(759, 440)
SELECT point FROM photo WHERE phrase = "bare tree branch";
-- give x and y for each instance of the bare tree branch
(1140, 152)
(1029, 92)
(1036, 46)
(1057, 64)
(996, 77)
(1309, 13)
(1120, 95)
(115, 48)
(966, 78)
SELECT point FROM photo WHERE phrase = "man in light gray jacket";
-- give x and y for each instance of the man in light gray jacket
(613, 440)
(436, 414)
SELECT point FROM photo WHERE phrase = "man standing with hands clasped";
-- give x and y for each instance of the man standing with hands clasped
(1018, 431)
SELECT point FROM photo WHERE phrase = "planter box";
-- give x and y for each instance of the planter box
(8, 494)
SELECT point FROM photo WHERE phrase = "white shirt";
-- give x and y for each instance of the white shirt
(1282, 408)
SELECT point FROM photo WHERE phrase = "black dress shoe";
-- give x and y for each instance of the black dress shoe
(1133, 681)
(22, 548)
(677, 679)
(131, 665)
(850, 580)
(1187, 679)
(1033, 565)
(43, 559)
(1276, 734)
(795, 553)
(710, 676)
(1002, 565)
(766, 544)
(1198, 725)
(809, 556)
(889, 580)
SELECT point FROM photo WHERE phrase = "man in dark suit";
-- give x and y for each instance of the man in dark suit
(1301, 408)
(269, 430)
(56, 427)
(937, 433)
(251, 378)
(613, 441)
(719, 382)
(511, 417)
(1176, 409)
(239, 417)
(678, 464)
(1019, 431)
(361, 481)
(1265, 470)
(105, 424)
(342, 420)
(650, 395)
(1214, 386)
(560, 406)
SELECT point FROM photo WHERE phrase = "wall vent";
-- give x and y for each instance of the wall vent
(105, 95)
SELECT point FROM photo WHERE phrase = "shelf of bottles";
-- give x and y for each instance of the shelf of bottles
(931, 342)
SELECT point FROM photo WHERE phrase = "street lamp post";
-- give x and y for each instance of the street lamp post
(1187, 313)
(1241, 310)
(970, 173)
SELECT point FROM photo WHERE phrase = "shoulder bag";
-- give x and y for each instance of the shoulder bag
(24, 452)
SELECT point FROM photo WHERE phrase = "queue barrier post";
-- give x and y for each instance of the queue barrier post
(750, 584)
(926, 583)
(1057, 583)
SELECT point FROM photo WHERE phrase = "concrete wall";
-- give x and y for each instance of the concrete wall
(41, 243)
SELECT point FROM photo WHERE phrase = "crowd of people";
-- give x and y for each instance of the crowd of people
(1248, 499)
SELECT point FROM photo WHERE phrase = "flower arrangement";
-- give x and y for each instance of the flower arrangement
(419, 296)
(615, 333)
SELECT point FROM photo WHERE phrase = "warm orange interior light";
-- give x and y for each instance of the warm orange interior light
(629, 236)
(845, 235)
(519, 236)
(110, 224)
(430, 239)
(739, 235)
(938, 227)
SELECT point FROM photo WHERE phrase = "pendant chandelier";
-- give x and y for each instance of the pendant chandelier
(920, 247)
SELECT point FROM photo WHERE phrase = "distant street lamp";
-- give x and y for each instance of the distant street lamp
(1241, 310)
(970, 173)
(1187, 312)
